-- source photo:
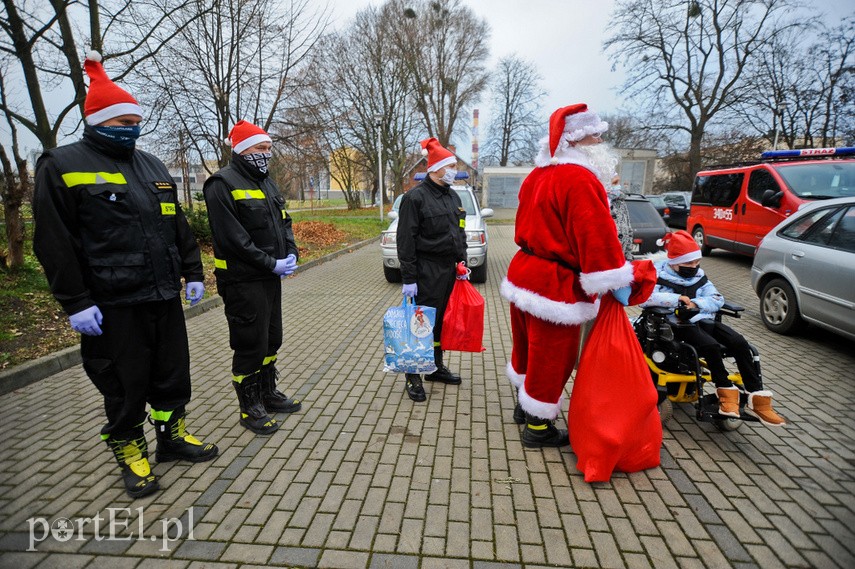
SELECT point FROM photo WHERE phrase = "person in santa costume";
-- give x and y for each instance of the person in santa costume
(569, 254)
(682, 283)
(431, 241)
(114, 244)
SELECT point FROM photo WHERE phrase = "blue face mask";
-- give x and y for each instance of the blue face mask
(124, 135)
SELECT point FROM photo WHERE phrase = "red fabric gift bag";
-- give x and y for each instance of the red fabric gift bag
(463, 323)
(613, 419)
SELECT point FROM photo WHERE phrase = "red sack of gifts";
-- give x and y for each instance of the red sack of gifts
(463, 323)
(613, 419)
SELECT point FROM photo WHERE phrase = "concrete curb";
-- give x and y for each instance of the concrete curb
(45, 366)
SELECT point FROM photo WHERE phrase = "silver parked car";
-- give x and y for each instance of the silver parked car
(804, 269)
(476, 238)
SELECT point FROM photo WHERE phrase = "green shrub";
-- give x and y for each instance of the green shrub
(198, 219)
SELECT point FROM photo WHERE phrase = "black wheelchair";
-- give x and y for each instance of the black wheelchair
(679, 374)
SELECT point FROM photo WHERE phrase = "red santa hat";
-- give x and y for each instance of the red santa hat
(573, 123)
(437, 156)
(105, 100)
(681, 247)
(245, 134)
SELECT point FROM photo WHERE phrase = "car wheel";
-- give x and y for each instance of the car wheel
(700, 239)
(479, 273)
(779, 308)
(392, 275)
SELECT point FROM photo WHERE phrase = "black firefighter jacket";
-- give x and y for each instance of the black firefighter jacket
(250, 226)
(109, 228)
(431, 225)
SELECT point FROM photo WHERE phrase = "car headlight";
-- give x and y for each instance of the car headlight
(388, 238)
(476, 237)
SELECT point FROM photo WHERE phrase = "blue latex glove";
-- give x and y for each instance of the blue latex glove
(87, 321)
(622, 294)
(194, 293)
(410, 290)
(286, 266)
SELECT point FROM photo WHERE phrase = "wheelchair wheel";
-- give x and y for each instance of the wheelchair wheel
(727, 424)
(666, 410)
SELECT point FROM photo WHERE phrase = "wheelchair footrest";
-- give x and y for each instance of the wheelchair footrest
(709, 410)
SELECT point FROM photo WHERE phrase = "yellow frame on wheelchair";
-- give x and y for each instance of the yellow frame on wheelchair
(664, 378)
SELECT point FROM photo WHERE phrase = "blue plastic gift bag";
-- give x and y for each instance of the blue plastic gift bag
(408, 338)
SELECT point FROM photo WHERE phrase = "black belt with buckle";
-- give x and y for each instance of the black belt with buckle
(559, 261)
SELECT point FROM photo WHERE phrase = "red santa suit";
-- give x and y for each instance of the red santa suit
(569, 254)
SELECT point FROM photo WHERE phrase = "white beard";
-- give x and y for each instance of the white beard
(604, 159)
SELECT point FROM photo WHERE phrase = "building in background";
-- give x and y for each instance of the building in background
(501, 186)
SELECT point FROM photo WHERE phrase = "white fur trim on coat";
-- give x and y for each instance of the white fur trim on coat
(517, 379)
(604, 281)
(547, 309)
(540, 409)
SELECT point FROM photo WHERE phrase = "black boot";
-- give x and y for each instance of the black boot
(442, 373)
(274, 400)
(414, 387)
(252, 413)
(519, 415)
(175, 443)
(131, 452)
(540, 433)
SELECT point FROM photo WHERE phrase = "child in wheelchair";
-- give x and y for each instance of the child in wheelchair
(682, 285)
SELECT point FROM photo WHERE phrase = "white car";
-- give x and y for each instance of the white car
(476, 238)
(804, 269)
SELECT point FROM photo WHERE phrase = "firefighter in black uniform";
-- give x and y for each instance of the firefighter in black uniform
(114, 244)
(254, 249)
(431, 241)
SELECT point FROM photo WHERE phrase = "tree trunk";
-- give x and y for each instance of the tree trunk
(694, 156)
(13, 193)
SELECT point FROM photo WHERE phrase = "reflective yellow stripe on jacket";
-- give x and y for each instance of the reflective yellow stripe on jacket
(220, 263)
(247, 194)
(72, 179)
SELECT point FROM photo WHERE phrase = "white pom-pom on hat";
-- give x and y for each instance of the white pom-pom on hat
(93, 55)
(424, 152)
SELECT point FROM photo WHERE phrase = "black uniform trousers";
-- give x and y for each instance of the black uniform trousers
(707, 336)
(254, 313)
(141, 356)
(435, 281)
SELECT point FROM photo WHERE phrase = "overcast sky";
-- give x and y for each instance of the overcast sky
(563, 38)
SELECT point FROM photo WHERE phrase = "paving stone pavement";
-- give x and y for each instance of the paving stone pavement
(363, 477)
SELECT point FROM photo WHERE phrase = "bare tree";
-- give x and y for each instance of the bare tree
(629, 131)
(40, 37)
(354, 111)
(239, 60)
(834, 55)
(685, 62)
(15, 186)
(443, 46)
(40, 51)
(515, 95)
(803, 88)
